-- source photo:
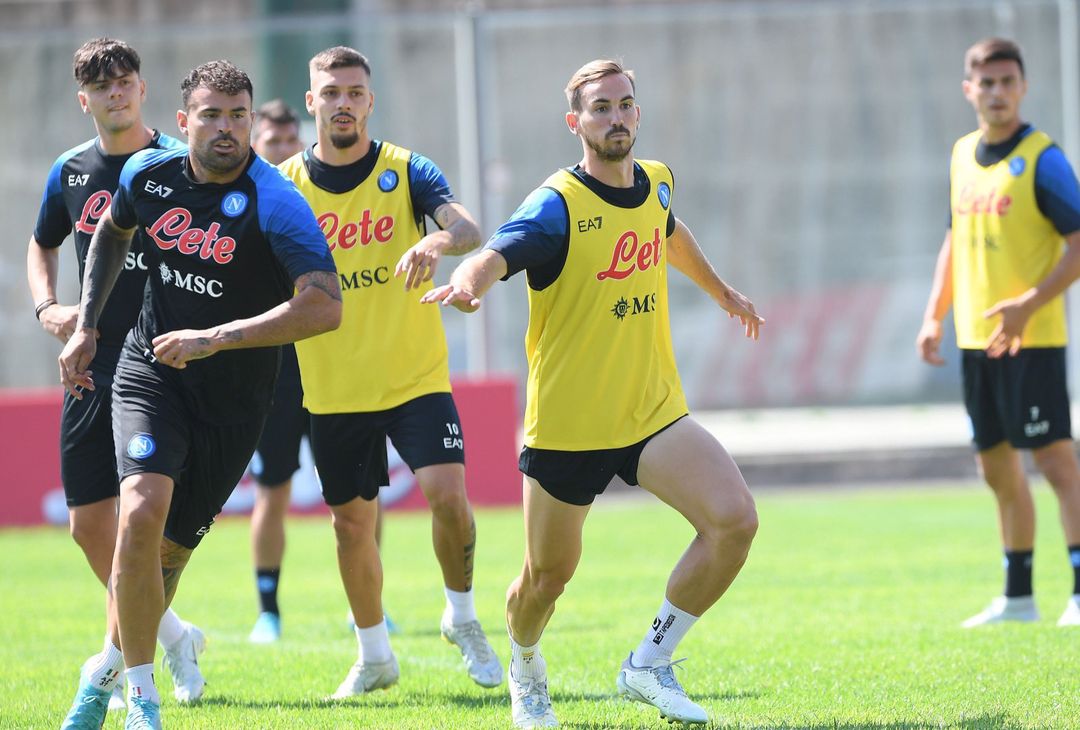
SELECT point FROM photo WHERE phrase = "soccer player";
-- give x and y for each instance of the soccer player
(229, 241)
(78, 190)
(276, 137)
(604, 397)
(385, 371)
(1011, 250)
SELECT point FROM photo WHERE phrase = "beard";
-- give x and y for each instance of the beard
(219, 163)
(344, 140)
(611, 151)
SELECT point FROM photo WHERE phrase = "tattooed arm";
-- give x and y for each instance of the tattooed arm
(314, 309)
(104, 262)
(458, 236)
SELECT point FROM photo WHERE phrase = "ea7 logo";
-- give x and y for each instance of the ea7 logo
(74, 180)
(590, 224)
(157, 189)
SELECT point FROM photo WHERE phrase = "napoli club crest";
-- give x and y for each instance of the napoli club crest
(141, 446)
(663, 193)
(234, 204)
(388, 180)
(1016, 166)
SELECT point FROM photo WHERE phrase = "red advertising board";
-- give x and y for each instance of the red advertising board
(30, 424)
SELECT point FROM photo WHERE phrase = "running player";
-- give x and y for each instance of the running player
(604, 397)
(79, 189)
(229, 241)
(385, 371)
(276, 137)
(1011, 250)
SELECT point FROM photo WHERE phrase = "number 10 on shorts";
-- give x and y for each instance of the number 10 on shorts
(453, 441)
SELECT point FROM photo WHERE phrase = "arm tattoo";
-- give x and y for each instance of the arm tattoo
(104, 262)
(464, 235)
(325, 280)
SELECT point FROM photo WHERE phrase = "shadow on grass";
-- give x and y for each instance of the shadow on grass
(380, 700)
(560, 698)
(650, 722)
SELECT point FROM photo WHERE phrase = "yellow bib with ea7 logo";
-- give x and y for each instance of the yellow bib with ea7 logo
(1002, 245)
(390, 348)
(602, 369)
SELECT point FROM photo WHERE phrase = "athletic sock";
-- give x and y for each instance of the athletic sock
(460, 608)
(266, 580)
(1018, 573)
(171, 629)
(140, 681)
(1074, 558)
(104, 668)
(668, 629)
(526, 661)
(374, 643)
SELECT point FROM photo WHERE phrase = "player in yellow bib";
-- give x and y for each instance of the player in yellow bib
(604, 397)
(387, 372)
(1011, 251)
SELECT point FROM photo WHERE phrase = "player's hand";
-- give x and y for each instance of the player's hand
(59, 320)
(737, 305)
(928, 342)
(452, 296)
(419, 263)
(75, 360)
(1006, 337)
(179, 347)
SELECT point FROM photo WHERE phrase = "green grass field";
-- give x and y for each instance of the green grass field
(846, 616)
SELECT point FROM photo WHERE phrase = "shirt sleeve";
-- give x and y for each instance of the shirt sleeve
(289, 225)
(1056, 190)
(123, 202)
(537, 234)
(428, 187)
(53, 221)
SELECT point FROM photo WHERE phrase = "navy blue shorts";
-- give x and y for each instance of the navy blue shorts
(578, 477)
(1023, 399)
(87, 454)
(155, 433)
(350, 448)
(277, 457)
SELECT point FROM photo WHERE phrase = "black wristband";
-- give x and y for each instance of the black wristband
(41, 307)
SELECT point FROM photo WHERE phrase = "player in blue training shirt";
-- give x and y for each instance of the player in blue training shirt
(228, 241)
(79, 189)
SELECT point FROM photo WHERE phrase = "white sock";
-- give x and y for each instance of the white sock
(526, 661)
(374, 643)
(170, 630)
(460, 608)
(103, 669)
(140, 681)
(668, 629)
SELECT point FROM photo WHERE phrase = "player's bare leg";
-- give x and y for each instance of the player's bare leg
(268, 551)
(453, 535)
(362, 577)
(552, 552)
(93, 527)
(1003, 471)
(1058, 463)
(689, 470)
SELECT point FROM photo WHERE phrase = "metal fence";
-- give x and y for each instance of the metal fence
(809, 142)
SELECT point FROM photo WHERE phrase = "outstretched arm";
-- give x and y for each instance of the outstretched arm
(1016, 312)
(928, 340)
(686, 255)
(42, 266)
(458, 236)
(470, 281)
(104, 262)
(314, 309)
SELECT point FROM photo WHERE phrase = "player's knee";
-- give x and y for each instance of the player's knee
(92, 536)
(1058, 465)
(448, 498)
(733, 524)
(353, 530)
(548, 584)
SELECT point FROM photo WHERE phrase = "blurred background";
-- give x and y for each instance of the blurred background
(809, 141)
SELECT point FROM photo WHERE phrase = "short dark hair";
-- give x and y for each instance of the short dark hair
(218, 76)
(339, 57)
(594, 71)
(104, 58)
(276, 111)
(991, 49)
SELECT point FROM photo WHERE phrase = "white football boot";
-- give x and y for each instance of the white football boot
(530, 705)
(1071, 616)
(182, 660)
(1005, 609)
(658, 687)
(480, 660)
(366, 677)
